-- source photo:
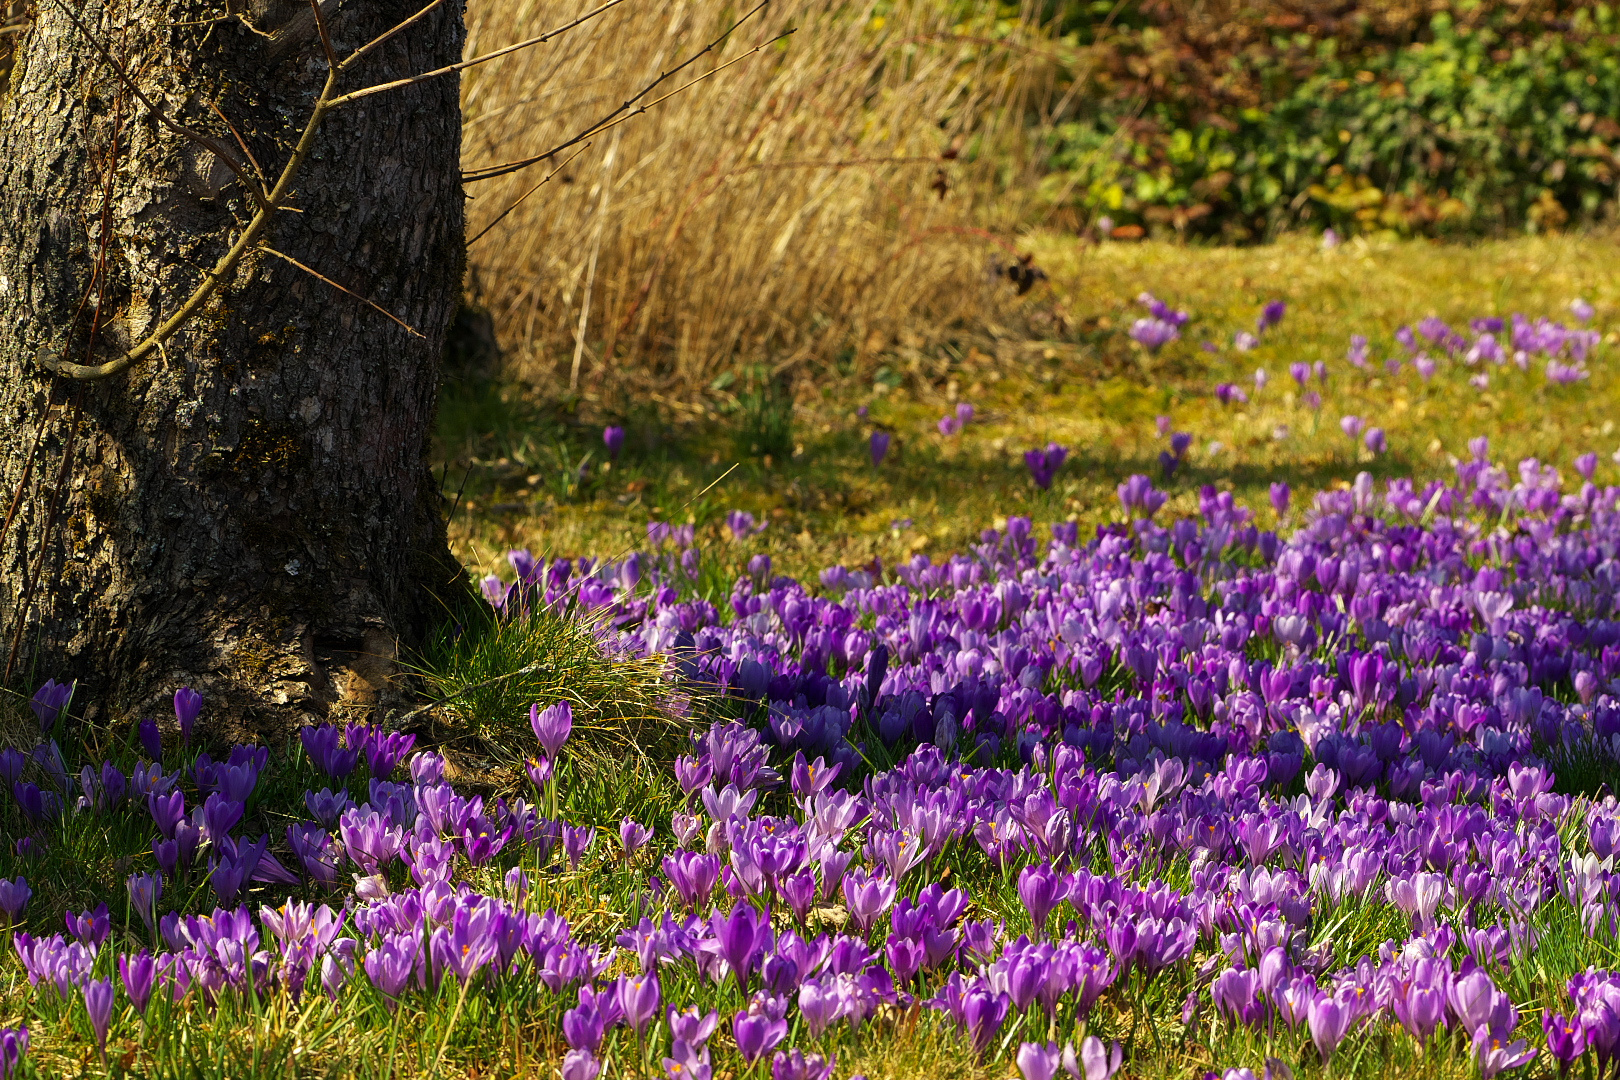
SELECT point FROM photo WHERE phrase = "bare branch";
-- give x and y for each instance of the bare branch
(355, 56)
(485, 58)
(630, 106)
(257, 172)
(326, 40)
(370, 303)
(543, 180)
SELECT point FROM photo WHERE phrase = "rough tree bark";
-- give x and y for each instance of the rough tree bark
(250, 512)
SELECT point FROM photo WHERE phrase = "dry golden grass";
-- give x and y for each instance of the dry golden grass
(785, 210)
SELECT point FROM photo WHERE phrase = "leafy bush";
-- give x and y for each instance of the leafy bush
(1488, 120)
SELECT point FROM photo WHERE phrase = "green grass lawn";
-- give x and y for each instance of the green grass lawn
(1087, 386)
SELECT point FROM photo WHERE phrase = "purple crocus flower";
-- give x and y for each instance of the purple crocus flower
(964, 413)
(1586, 465)
(741, 938)
(757, 1033)
(949, 426)
(633, 835)
(879, 446)
(1280, 493)
(1581, 310)
(1301, 371)
(613, 439)
(1139, 498)
(12, 763)
(137, 973)
(580, 1065)
(552, 725)
(577, 841)
(1375, 440)
(1352, 426)
(691, 1027)
(151, 739)
(692, 875)
(1041, 888)
(1044, 464)
(1097, 1062)
(1271, 315)
(983, 1013)
(1566, 1037)
(638, 997)
(389, 966)
(144, 892)
(867, 897)
(14, 894)
(98, 1002)
(1329, 1020)
(794, 1065)
(187, 704)
(1153, 334)
(49, 701)
(1038, 1062)
(167, 811)
(13, 1048)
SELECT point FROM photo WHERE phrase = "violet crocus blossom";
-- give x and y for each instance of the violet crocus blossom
(795, 1065)
(757, 1033)
(13, 1048)
(613, 439)
(1271, 315)
(187, 705)
(1044, 464)
(1037, 1061)
(150, 738)
(145, 890)
(577, 841)
(98, 1002)
(1375, 440)
(879, 447)
(1153, 334)
(138, 972)
(552, 725)
(14, 896)
(49, 701)
(633, 835)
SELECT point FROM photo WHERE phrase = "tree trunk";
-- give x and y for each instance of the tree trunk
(250, 512)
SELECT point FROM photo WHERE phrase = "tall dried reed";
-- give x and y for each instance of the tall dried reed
(805, 205)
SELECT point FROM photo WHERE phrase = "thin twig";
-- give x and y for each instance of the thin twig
(267, 249)
(492, 171)
(485, 58)
(258, 172)
(543, 180)
(326, 39)
(355, 56)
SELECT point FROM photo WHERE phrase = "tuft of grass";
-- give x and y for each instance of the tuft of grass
(486, 671)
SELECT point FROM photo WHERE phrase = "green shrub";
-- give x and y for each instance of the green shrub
(1478, 124)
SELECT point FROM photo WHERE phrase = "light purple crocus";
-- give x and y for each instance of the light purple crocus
(552, 725)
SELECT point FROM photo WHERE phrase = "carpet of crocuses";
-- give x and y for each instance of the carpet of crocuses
(1174, 797)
